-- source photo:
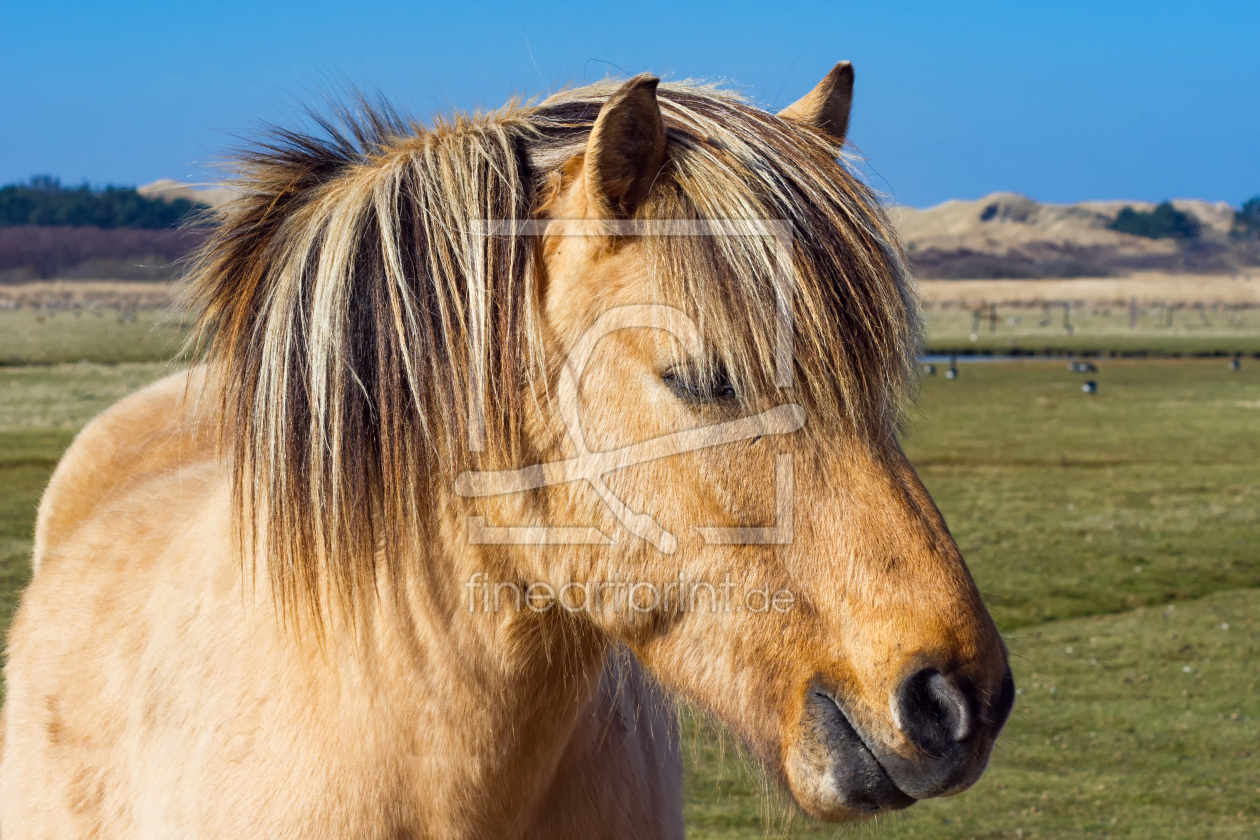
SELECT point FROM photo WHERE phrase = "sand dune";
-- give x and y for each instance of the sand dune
(1010, 235)
(1009, 219)
(214, 195)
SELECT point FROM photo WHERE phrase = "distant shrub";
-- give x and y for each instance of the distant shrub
(44, 201)
(1247, 220)
(1164, 222)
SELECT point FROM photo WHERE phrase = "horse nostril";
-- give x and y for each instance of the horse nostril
(932, 712)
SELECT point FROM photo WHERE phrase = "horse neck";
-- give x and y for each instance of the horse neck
(506, 689)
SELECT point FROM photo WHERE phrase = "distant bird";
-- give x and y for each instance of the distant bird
(930, 370)
(1082, 367)
(1090, 387)
(1236, 362)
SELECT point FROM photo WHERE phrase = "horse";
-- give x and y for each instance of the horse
(506, 432)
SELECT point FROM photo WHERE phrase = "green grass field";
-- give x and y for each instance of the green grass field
(50, 336)
(1116, 537)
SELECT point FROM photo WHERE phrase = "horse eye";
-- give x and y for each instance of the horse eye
(693, 387)
(722, 389)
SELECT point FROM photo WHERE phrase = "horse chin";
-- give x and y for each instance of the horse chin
(832, 774)
(838, 773)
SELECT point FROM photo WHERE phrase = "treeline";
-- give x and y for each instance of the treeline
(1164, 222)
(43, 201)
(1247, 220)
(1167, 222)
(50, 231)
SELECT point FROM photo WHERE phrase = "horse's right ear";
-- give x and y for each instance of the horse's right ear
(827, 105)
(627, 148)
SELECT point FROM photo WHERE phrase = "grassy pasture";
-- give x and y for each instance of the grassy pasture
(1069, 504)
(1116, 536)
(95, 334)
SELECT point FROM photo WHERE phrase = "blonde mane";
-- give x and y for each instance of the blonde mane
(351, 305)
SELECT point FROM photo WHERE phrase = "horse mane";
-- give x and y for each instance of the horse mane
(350, 306)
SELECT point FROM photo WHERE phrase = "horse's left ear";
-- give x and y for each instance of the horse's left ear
(627, 147)
(827, 105)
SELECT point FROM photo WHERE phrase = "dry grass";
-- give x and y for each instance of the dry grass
(1148, 289)
(76, 294)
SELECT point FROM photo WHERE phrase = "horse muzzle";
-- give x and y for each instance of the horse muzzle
(838, 771)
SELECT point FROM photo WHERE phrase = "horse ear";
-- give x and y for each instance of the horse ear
(827, 105)
(627, 147)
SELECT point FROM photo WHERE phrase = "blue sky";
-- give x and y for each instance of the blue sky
(1062, 101)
